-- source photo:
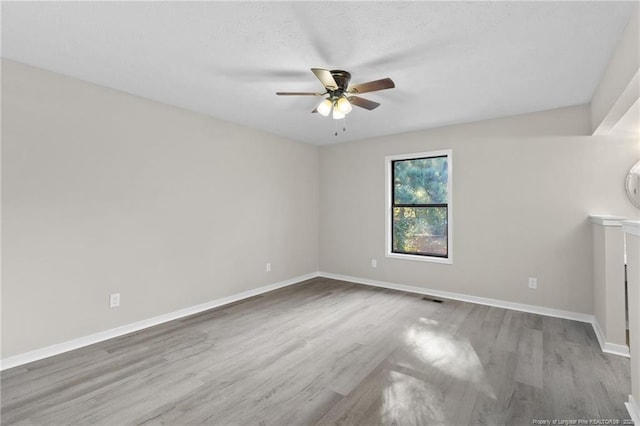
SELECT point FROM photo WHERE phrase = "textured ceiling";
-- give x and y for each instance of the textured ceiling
(452, 62)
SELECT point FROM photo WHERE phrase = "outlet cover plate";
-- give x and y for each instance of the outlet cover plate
(114, 300)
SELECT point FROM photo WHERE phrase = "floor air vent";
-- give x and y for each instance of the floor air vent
(428, 299)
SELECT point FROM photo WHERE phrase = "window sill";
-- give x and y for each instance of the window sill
(413, 257)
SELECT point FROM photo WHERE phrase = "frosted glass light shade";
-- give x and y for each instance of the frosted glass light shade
(324, 108)
(337, 115)
(343, 105)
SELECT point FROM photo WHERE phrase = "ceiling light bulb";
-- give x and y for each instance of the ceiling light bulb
(325, 107)
(337, 115)
(343, 105)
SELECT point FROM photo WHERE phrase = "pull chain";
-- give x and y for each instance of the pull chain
(335, 126)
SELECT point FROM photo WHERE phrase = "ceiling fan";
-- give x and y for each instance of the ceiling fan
(341, 96)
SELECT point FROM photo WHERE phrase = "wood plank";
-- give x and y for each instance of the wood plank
(329, 352)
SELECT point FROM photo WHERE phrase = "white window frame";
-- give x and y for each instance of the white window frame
(388, 206)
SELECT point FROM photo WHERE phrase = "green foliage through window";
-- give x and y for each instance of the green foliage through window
(420, 206)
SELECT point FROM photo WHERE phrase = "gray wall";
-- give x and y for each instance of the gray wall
(103, 192)
(523, 189)
(623, 65)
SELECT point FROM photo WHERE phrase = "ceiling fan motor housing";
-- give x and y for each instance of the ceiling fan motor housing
(342, 79)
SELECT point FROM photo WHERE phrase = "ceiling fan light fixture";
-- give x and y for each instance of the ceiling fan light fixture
(343, 105)
(340, 96)
(324, 108)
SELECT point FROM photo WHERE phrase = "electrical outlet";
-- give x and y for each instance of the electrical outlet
(374, 263)
(268, 267)
(114, 300)
(533, 282)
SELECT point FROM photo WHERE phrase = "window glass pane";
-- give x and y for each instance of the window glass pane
(420, 181)
(420, 230)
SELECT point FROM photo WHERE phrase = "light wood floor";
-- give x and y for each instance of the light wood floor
(328, 352)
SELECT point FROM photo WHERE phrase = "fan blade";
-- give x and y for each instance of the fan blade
(314, 111)
(372, 86)
(325, 78)
(363, 103)
(299, 94)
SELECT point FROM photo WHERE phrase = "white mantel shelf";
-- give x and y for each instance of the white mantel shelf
(631, 227)
(606, 220)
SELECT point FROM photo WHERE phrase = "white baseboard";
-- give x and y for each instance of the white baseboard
(633, 409)
(466, 298)
(610, 348)
(606, 347)
(80, 342)
(101, 336)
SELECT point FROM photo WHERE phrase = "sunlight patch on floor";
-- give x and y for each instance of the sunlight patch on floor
(410, 401)
(451, 355)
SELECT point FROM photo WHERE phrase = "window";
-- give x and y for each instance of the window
(419, 195)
